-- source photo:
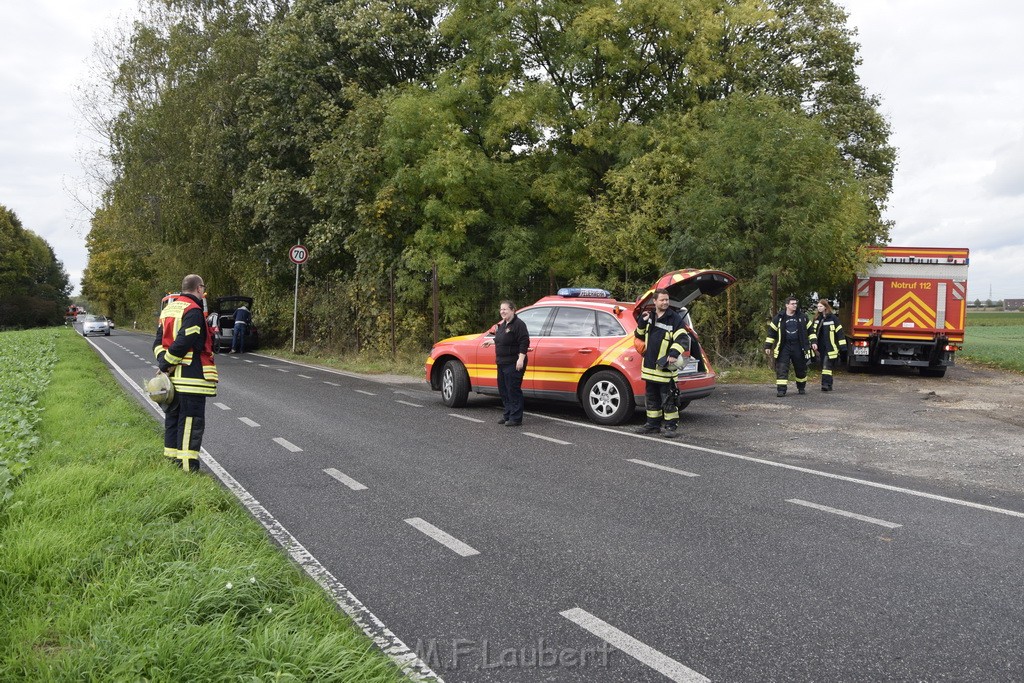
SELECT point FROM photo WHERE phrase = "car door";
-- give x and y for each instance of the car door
(569, 346)
(486, 376)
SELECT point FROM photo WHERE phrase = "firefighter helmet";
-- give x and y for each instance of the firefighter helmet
(160, 389)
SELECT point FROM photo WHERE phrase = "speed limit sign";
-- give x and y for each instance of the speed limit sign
(298, 254)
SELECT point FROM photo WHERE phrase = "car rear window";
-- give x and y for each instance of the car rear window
(573, 322)
(608, 326)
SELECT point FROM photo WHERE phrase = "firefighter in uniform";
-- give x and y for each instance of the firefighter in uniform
(831, 341)
(184, 350)
(665, 340)
(790, 339)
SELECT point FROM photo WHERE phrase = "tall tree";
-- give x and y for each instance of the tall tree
(34, 283)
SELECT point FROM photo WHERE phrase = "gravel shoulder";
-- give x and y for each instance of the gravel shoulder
(965, 429)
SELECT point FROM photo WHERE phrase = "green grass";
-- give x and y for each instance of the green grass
(994, 319)
(995, 339)
(116, 567)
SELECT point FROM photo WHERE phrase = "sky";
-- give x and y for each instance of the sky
(949, 76)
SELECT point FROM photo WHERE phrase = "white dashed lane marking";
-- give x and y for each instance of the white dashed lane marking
(465, 417)
(287, 444)
(345, 479)
(442, 537)
(368, 393)
(547, 438)
(305, 377)
(844, 513)
(249, 422)
(222, 406)
(333, 384)
(282, 370)
(643, 653)
(663, 467)
(406, 403)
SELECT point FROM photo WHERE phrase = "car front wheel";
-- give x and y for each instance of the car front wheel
(454, 384)
(608, 398)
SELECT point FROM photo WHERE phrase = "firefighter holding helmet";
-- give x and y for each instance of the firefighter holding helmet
(666, 342)
(184, 350)
(790, 340)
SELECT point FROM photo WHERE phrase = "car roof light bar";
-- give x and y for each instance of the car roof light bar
(584, 293)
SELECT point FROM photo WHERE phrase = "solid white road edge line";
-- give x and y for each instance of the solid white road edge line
(407, 403)
(663, 467)
(645, 654)
(547, 438)
(287, 444)
(467, 418)
(844, 513)
(839, 477)
(249, 422)
(442, 537)
(383, 637)
(345, 479)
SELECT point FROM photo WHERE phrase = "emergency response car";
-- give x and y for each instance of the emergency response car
(581, 350)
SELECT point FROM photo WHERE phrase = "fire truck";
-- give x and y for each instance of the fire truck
(909, 309)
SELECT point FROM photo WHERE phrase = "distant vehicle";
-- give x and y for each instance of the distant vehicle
(581, 350)
(95, 324)
(222, 321)
(909, 310)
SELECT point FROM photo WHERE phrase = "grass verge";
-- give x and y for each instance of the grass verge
(114, 566)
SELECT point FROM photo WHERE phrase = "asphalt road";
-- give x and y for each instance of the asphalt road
(563, 551)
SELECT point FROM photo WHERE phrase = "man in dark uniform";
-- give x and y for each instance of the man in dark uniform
(242, 321)
(790, 340)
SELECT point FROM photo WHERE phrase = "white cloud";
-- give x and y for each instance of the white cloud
(44, 49)
(951, 85)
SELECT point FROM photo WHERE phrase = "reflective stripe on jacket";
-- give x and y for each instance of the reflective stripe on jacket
(665, 336)
(831, 339)
(805, 332)
(184, 342)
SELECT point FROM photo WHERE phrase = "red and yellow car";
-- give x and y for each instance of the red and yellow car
(581, 350)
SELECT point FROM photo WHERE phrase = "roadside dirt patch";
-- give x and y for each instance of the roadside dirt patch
(966, 428)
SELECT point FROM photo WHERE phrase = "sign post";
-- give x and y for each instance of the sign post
(297, 255)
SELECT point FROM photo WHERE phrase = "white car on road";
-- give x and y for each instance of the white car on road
(95, 324)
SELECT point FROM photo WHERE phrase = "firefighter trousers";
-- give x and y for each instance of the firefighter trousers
(184, 423)
(789, 353)
(827, 366)
(662, 403)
